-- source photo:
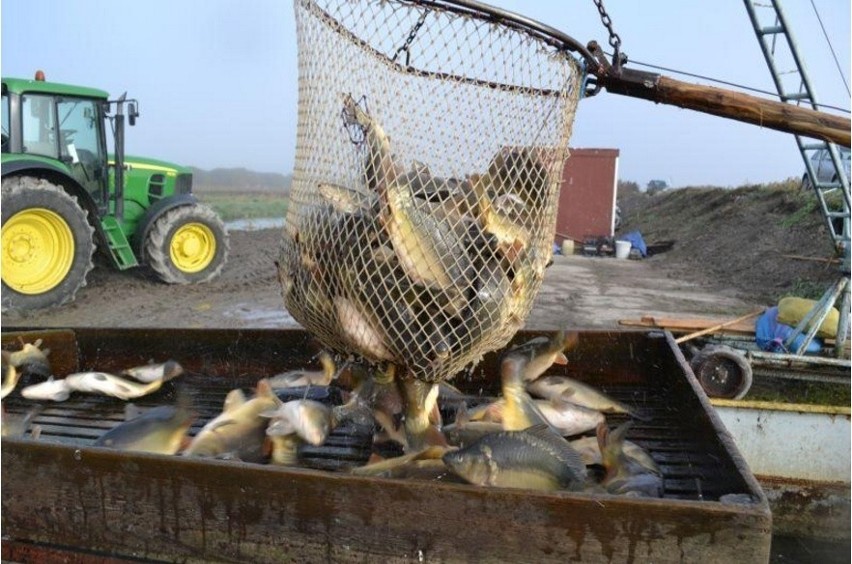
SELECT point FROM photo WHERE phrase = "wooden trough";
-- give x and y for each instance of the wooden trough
(63, 498)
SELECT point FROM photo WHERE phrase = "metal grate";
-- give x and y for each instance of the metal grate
(690, 466)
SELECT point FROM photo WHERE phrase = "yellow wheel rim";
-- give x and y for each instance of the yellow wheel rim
(193, 247)
(37, 252)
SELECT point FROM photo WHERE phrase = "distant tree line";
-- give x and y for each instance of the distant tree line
(626, 187)
(240, 179)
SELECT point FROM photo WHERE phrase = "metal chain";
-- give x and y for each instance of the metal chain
(614, 39)
(411, 37)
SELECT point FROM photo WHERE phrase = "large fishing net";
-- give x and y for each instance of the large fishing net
(430, 148)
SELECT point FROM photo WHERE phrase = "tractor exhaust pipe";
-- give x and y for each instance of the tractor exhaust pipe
(119, 158)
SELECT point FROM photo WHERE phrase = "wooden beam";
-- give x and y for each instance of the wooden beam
(729, 104)
(718, 326)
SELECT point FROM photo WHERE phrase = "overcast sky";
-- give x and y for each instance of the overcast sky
(216, 79)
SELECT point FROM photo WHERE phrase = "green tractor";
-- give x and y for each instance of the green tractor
(63, 196)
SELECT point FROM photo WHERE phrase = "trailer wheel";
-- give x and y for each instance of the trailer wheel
(47, 244)
(187, 245)
(722, 372)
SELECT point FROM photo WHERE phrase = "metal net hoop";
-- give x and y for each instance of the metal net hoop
(430, 147)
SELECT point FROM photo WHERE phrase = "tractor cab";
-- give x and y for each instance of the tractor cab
(60, 122)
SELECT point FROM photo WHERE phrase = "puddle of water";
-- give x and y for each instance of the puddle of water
(263, 317)
(255, 224)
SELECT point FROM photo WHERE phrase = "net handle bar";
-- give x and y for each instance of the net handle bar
(779, 116)
(542, 31)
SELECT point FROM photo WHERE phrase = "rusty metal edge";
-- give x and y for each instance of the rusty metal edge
(725, 437)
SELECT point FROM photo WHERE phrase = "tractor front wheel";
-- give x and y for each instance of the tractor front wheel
(47, 245)
(187, 245)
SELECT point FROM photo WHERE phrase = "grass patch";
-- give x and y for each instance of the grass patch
(801, 215)
(790, 391)
(805, 288)
(231, 206)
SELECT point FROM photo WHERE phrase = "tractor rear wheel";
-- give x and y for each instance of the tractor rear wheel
(47, 245)
(187, 245)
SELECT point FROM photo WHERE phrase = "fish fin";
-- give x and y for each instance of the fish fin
(233, 400)
(620, 433)
(434, 437)
(172, 369)
(609, 452)
(433, 452)
(185, 441)
(435, 416)
(571, 340)
(566, 395)
(462, 414)
(639, 414)
(267, 447)
(264, 389)
(602, 433)
(538, 429)
(560, 358)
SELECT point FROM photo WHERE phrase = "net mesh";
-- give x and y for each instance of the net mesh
(429, 153)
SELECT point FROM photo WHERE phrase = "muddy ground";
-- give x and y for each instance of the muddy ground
(727, 259)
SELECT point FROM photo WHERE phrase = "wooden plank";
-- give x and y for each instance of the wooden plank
(686, 325)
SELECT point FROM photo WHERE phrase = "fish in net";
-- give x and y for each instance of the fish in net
(430, 146)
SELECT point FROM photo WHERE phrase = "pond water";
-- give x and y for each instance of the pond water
(255, 224)
(262, 317)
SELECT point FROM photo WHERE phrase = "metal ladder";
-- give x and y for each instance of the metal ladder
(835, 208)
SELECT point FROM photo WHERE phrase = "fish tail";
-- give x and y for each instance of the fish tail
(640, 414)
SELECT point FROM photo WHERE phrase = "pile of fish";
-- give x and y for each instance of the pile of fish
(31, 362)
(558, 441)
(423, 272)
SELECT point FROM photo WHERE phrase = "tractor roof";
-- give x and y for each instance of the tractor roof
(24, 85)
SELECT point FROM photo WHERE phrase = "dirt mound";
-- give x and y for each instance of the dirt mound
(738, 238)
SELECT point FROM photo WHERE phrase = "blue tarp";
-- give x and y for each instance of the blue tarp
(636, 240)
(770, 335)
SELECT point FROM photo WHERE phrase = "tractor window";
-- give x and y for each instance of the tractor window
(39, 125)
(5, 122)
(80, 135)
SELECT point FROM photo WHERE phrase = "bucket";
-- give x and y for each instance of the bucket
(568, 247)
(622, 249)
